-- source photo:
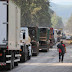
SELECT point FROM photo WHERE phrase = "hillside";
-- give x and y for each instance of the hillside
(63, 11)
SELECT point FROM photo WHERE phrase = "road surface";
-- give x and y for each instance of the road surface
(47, 62)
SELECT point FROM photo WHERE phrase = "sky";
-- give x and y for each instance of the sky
(65, 2)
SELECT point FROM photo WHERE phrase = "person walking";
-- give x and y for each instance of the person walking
(62, 50)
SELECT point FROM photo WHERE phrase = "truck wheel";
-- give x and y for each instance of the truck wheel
(29, 57)
(12, 59)
(26, 54)
(26, 57)
(9, 66)
(47, 50)
(16, 64)
(35, 54)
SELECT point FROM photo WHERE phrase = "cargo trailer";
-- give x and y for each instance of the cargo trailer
(43, 38)
(9, 34)
(25, 43)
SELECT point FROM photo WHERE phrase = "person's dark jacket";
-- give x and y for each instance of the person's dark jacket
(60, 46)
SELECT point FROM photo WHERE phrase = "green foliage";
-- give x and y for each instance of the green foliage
(41, 16)
(56, 21)
(34, 12)
(69, 24)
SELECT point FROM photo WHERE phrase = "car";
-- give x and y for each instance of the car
(68, 37)
(64, 37)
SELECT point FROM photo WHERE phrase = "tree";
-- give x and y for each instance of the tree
(25, 11)
(40, 13)
(56, 21)
(69, 24)
(34, 12)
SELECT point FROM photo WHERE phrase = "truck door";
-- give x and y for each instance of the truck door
(3, 19)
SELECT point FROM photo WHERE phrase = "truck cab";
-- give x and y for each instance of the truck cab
(25, 44)
(33, 33)
(51, 37)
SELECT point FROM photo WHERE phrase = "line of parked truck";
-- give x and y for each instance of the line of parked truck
(20, 43)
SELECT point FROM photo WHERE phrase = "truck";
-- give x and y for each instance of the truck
(9, 34)
(51, 37)
(43, 38)
(55, 35)
(33, 33)
(25, 50)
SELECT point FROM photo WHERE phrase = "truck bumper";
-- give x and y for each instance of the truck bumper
(43, 48)
(2, 64)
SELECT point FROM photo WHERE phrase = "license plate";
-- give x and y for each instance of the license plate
(0, 54)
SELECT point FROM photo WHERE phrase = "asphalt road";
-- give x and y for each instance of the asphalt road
(47, 62)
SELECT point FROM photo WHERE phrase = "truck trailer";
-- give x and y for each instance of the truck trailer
(51, 37)
(9, 34)
(33, 33)
(25, 50)
(43, 38)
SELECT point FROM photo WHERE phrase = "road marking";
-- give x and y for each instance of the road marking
(48, 64)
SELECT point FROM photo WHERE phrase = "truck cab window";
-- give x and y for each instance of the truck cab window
(33, 32)
(24, 35)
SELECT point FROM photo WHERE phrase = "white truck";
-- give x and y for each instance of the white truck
(9, 34)
(25, 51)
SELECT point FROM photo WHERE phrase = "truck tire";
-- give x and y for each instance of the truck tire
(29, 57)
(26, 53)
(36, 54)
(47, 50)
(11, 65)
(16, 64)
(25, 58)
(12, 60)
